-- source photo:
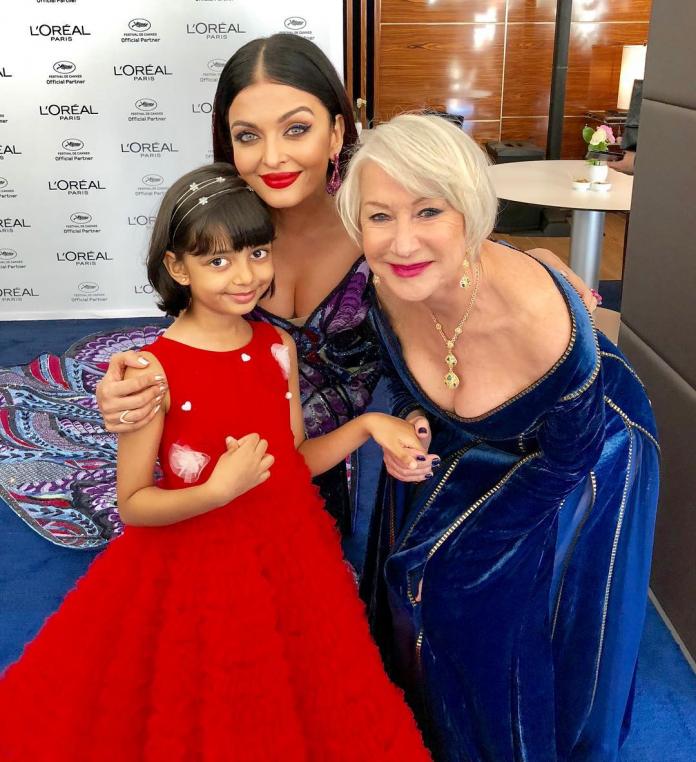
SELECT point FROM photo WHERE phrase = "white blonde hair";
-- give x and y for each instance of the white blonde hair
(431, 158)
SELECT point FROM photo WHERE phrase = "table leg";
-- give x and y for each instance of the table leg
(586, 236)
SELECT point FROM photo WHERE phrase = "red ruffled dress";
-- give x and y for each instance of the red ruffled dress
(236, 635)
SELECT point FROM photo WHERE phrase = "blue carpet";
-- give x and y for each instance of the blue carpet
(35, 575)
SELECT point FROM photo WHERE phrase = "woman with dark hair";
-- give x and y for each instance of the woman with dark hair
(283, 118)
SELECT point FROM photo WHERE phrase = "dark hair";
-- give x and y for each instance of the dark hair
(236, 218)
(285, 59)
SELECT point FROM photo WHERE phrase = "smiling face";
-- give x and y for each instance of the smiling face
(416, 245)
(224, 282)
(282, 140)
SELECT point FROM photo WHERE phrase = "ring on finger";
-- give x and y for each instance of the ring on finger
(122, 418)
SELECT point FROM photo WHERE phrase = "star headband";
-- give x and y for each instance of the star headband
(203, 200)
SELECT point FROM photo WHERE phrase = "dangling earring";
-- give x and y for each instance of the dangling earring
(376, 280)
(465, 280)
(335, 182)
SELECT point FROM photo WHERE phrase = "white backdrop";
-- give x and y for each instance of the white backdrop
(102, 106)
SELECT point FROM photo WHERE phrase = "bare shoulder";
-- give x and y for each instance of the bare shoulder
(285, 337)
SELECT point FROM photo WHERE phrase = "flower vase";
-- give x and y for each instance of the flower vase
(598, 171)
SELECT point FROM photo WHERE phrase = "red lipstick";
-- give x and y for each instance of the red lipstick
(409, 271)
(279, 180)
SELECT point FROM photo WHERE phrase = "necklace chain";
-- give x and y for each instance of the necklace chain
(450, 378)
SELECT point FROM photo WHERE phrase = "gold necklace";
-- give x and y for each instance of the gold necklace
(451, 379)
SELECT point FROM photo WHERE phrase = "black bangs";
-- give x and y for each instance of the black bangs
(236, 219)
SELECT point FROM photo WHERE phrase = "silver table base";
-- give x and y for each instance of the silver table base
(586, 244)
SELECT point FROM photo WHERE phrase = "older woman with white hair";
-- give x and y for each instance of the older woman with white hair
(508, 589)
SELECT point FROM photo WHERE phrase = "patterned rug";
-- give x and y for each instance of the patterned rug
(57, 462)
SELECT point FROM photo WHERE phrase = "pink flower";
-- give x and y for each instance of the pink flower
(610, 139)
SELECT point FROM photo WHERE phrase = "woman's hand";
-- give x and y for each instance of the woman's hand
(420, 428)
(127, 405)
(588, 295)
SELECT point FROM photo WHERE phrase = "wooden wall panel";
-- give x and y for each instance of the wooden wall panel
(530, 129)
(594, 64)
(528, 63)
(447, 11)
(490, 61)
(457, 68)
(583, 10)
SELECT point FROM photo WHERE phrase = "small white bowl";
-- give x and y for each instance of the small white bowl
(601, 187)
(581, 185)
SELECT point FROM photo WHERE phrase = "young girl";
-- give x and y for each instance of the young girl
(223, 625)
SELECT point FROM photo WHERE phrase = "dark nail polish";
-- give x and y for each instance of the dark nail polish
(427, 476)
(422, 430)
(421, 457)
(436, 463)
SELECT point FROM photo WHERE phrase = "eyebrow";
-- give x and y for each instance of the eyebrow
(386, 206)
(240, 123)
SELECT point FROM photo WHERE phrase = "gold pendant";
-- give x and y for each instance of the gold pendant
(464, 281)
(451, 380)
(451, 360)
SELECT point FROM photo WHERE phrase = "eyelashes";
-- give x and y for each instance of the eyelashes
(293, 131)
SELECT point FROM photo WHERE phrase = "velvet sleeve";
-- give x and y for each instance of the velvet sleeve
(402, 401)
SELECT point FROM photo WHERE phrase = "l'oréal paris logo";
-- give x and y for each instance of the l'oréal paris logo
(205, 107)
(17, 293)
(59, 32)
(76, 187)
(142, 220)
(142, 72)
(8, 150)
(214, 31)
(84, 258)
(74, 112)
(5, 73)
(149, 149)
(10, 224)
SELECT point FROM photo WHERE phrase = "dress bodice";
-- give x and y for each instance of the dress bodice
(337, 353)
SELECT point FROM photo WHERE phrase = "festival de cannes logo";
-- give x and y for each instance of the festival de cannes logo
(295, 23)
(216, 64)
(88, 291)
(3, 183)
(65, 74)
(64, 67)
(146, 104)
(7, 255)
(88, 287)
(81, 218)
(139, 25)
(140, 31)
(73, 144)
(10, 260)
(152, 180)
(81, 224)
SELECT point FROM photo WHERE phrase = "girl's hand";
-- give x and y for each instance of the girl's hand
(242, 467)
(425, 463)
(127, 405)
(404, 453)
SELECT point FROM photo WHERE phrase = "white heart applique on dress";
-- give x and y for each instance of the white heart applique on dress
(281, 354)
(186, 463)
(245, 357)
(186, 406)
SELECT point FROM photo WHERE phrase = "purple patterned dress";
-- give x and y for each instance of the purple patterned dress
(58, 464)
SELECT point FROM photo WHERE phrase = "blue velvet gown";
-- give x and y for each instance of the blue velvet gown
(531, 545)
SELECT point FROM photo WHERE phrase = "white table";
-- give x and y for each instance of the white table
(549, 183)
